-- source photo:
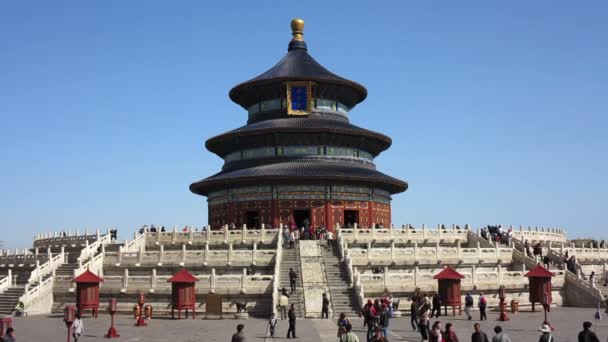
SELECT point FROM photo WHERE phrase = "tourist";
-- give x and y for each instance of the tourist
(283, 303)
(239, 335)
(414, 314)
(272, 323)
(478, 335)
(350, 336)
(77, 328)
(371, 321)
(325, 307)
(482, 303)
(436, 334)
(342, 324)
(436, 305)
(546, 334)
(546, 261)
(592, 278)
(378, 336)
(292, 279)
(292, 238)
(292, 322)
(366, 311)
(587, 335)
(468, 305)
(384, 319)
(162, 229)
(500, 336)
(449, 335)
(426, 300)
(423, 325)
(286, 237)
(9, 336)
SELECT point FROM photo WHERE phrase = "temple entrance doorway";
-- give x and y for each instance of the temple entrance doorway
(350, 218)
(252, 219)
(301, 218)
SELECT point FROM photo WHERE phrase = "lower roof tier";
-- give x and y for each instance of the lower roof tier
(300, 172)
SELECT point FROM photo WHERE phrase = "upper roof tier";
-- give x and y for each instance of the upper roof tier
(297, 65)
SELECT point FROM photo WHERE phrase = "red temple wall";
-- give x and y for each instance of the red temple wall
(281, 211)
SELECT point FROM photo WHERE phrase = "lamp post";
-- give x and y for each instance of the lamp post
(69, 315)
(141, 299)
(112, 333)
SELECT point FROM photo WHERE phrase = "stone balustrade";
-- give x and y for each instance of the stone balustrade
(539, 235)
(404, 235)
(6, 281)
(186, 256)
(65, 238)
(427, 255)
(583, 254)
(22, 257)
(222, 236)
(208, 283)
(423, 279)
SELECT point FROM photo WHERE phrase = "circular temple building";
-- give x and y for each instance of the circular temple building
(298, 160)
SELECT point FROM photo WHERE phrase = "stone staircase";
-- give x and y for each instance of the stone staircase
(10, 298)
(291, 259)
(342, 295)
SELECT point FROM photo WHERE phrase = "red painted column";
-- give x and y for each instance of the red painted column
(370, 214)
(328, 221)
(274, 212)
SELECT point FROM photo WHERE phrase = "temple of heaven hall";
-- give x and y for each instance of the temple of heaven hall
(298, 160)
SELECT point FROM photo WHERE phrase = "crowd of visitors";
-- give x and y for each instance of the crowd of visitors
(292, 234)
(497, 234)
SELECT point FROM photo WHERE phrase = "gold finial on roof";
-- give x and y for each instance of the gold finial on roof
(297, 29)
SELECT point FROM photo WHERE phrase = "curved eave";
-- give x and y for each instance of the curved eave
(299, 172)
(300, 126)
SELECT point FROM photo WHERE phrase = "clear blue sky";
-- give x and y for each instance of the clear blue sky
(497, 110)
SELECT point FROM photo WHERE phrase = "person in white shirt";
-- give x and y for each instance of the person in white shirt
(77, 328)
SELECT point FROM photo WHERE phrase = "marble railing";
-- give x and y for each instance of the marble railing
(276, 281)
(473, 279)
(407, 234)
(188, 257)
(21, 257)
(428, 255)
(6, 281)
(224, 235)
(70, 238)
(539, 235)
(208, 283)
(39, 293)
(46, 268)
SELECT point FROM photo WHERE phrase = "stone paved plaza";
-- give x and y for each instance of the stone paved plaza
(521, 327)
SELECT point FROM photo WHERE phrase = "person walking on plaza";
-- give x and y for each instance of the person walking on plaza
(77, 328)
(292, 279)
(385, 317)
(292, 322)
(478, 335)
(325, 307)
(449, 335)
(587, 335)
(423, 326)
(283, 303)
(468, 305)
(272, 324)
(482, 303)
(546, 334)
(239, 335)
(9, 336)
(436, 305)
(342, 324)
(414, 315)
(500, 336)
